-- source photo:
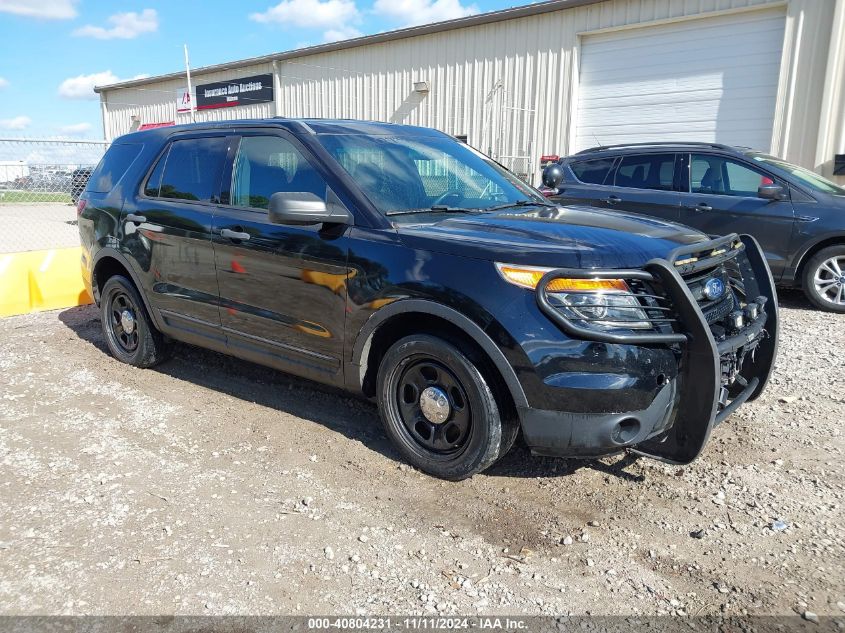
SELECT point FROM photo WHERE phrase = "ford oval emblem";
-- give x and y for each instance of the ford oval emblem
(714, 289)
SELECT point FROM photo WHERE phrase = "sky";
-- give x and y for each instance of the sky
(52, 52)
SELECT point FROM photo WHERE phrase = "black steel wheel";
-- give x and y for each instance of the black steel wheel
(129, 333)
(438, 408)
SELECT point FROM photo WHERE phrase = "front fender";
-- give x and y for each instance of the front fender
(360, 350)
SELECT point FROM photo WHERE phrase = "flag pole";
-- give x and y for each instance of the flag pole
(190, 90)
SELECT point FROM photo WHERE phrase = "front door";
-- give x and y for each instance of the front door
(721, 198)
(282, 288)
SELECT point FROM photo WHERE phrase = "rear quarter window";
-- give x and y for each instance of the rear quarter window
(116, 161)
(592, 172)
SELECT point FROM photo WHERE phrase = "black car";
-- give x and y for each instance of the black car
(797, 216)
(400, 264)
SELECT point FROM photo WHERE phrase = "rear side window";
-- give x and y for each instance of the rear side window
(114, 165)
(190, 170)
(648, 171)
(592, 172)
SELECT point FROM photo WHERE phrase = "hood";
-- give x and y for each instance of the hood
(564, 237)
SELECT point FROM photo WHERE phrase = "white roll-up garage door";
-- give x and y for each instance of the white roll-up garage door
(704, 79)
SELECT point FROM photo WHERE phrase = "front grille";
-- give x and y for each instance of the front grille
(713, 310)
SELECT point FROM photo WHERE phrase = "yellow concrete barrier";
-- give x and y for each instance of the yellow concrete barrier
(41, 280)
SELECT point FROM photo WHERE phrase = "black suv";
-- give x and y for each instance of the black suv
(797, 216)
(399, 263)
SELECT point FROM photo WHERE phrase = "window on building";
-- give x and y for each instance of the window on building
(269, 164)
(192, 169)
(647, 171)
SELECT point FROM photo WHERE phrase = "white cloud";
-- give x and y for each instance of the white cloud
(45, 9)
(82, 86)
(16, 123)
(125, 26)
(75, 128)
(341, 33)
(4, 83)
(309, 13)
(415, 12)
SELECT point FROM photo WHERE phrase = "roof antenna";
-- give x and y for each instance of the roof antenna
(598, 142)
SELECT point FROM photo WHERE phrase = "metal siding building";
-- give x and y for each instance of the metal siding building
(552, 77)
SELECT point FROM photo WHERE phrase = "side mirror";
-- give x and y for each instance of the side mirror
(303, 208)
(553, 176)
(771, 192)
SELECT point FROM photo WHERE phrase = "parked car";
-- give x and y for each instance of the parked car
(78, 181)
(402, 265)
(797, 216)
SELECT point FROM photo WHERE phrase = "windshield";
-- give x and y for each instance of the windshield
(402, 174)
(805, 176)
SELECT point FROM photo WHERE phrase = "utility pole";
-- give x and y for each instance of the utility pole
(190, 89)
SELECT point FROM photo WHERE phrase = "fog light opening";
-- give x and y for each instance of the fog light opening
(625, 430)
(661, 380)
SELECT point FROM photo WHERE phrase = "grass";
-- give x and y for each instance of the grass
(13, 196)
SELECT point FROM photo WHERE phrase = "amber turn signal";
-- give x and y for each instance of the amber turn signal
(529, 277)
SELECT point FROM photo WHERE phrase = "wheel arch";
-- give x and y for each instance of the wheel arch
(409, 316)
(807, 255)
(109, 262)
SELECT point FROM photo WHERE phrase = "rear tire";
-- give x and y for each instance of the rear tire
(438, 409)
(824, 279)
(129, 332)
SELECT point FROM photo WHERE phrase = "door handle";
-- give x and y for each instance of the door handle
(234, 235)
(701, 207)
(612, 199)
(137, 219)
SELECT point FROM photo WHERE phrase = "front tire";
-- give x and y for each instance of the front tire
(130, 335)
(438, 409)
(824, 279)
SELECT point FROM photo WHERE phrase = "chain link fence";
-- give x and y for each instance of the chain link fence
(40, 182)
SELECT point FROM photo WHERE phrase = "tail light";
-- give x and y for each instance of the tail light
(80, 206)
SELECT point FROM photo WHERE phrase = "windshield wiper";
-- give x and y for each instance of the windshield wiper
(521, 203)
(437, 208)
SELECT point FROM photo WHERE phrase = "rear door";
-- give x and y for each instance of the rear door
(282, 288)
(587, 182)
(169, 233)
(645, 184)
(720, 197)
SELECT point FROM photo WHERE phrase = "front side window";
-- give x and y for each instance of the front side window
(592, 172)
(647, 171)
(404, 173)
(722, 176)
(191, 170)
(269, 164)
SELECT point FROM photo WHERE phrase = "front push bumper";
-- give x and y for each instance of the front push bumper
(677, 424)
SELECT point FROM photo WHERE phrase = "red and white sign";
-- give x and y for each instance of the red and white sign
(184, 99)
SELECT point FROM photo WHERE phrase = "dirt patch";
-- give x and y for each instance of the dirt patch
(213, 486)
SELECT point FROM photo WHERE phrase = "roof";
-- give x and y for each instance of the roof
(301, 126)
(513, 13)
(661, 145)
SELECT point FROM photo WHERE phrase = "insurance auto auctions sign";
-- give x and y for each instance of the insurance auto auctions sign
(237, 92)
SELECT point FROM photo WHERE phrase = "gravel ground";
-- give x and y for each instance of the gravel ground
(213, 486)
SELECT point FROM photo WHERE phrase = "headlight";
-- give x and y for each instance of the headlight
(598, 303)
